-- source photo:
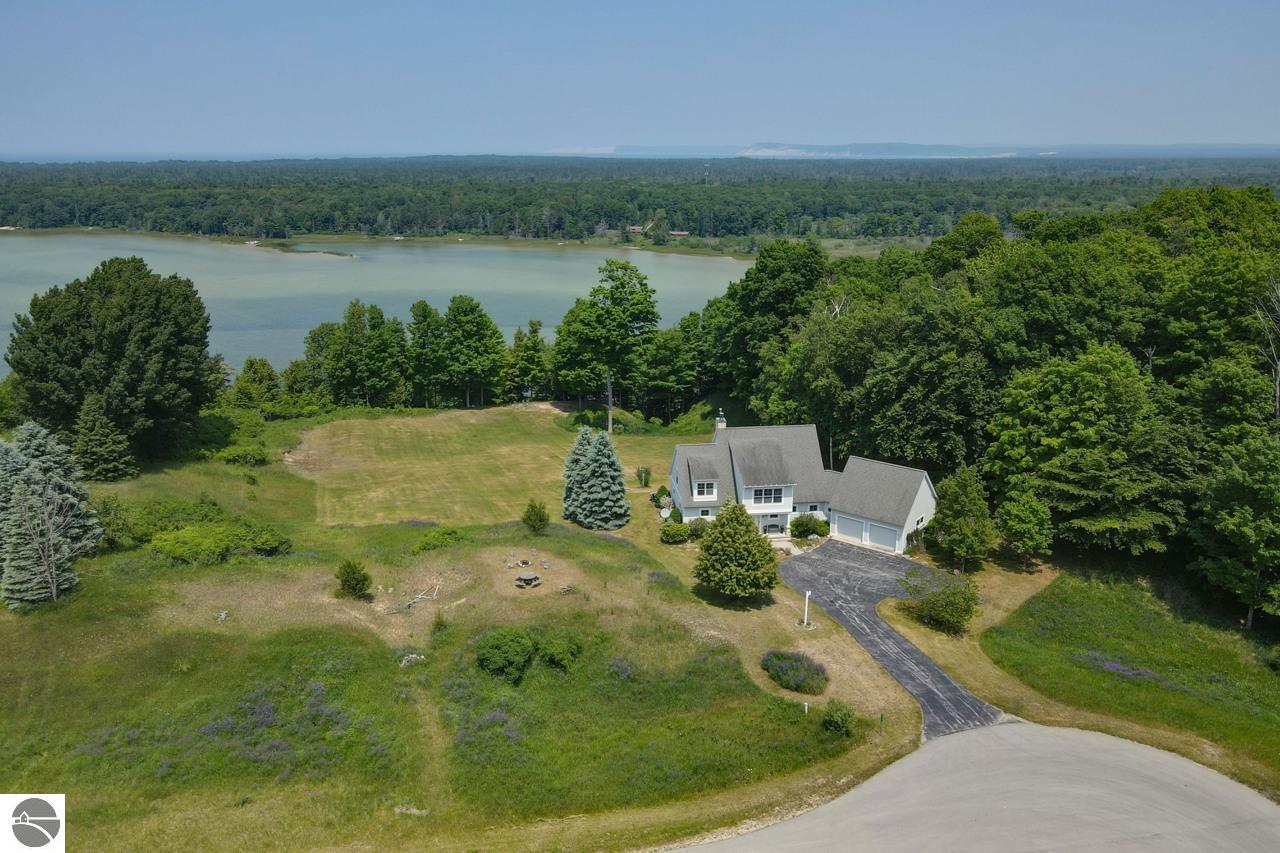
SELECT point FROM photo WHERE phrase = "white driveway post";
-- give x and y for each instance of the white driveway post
(806, 609)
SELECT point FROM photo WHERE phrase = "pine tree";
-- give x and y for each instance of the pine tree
(734, 558)
(962, 525)
(601, 493)
(47, 522)
(101, 450)
(573, 470)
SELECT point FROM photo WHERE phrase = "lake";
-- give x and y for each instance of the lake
(262, 302)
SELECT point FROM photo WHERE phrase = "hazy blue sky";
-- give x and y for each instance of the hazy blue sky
(115, 77)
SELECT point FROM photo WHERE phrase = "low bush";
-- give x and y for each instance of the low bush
(505, 652)
(643, 475)
(673, 533)
(144, 519)
(559, 647)
(795, 671)
(208, 542)
(658, 494)
(248, 455)
(200, 544)
(1271, 658)
(940, 600)
(806, 525)
(676, 516)
(839, 719)
(113, 518)
(439, 537)
(697, 527)
(535, 516)
(353, 580)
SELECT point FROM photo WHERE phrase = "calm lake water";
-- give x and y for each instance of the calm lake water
(262, 302)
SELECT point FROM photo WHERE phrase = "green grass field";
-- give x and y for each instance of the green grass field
(1111, 644)
(290, 722)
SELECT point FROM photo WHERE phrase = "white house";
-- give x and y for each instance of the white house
(776, 472)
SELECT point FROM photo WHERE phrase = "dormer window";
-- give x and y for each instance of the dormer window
(768, 496)
(705, 490)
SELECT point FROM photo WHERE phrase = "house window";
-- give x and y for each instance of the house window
(705, 512)
(813, 507)
(705, 489)
(920, 521)
(768, 496)
(793, 508)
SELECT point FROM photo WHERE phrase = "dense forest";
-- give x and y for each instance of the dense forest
(577, 198)
(1117, 374)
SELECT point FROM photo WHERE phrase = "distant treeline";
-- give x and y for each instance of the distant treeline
(575, 198)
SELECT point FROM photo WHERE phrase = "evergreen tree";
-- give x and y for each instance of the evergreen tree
(101, 450)
(138, 339)
(734, 558)
(529, 366)
(46, 523)
(600, 496)
(962, 524)
(1026, 526)
(574, 466)
(255, 384)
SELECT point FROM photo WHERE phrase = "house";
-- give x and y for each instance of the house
(677, 233)
(635, 229)
(776, 473)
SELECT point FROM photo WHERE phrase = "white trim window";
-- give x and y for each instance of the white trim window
(704, 490)
(767, 496)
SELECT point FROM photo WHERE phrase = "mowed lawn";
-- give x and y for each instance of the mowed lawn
(458, 467)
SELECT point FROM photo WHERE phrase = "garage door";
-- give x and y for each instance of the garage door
(884, 537)
(849, 528)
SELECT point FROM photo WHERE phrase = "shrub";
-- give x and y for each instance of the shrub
(673, 533)
(643, 475)
(676, 516)
(806, 525)
(939, 600)
(439, 537)
(200, 544)
(559, 647)
(658, 494)
(697, 527)
(505, 652)
(147, 518)
(353, 580)
(248, 455)
(113, 518)
(734, 559)
(256, 538)
(839, 719)
(795, 671)
(209, 542)
(535, 516)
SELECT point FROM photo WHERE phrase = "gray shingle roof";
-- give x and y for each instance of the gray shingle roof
(778, 456)
(879, 491)
(703, 462)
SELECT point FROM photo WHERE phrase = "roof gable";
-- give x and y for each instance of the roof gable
(879, 491)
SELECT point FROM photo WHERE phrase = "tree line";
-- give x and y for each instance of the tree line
(576, 198)
(1119, 372)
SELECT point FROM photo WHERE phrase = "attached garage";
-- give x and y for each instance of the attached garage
(883, 537)
(848, 528)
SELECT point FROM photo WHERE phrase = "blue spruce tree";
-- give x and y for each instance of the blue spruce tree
(573, 470)
(601, 495)
(45, 519)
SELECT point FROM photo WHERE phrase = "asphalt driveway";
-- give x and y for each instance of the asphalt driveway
(847, 581)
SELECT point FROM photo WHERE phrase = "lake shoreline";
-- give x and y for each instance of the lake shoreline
(290, 244)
